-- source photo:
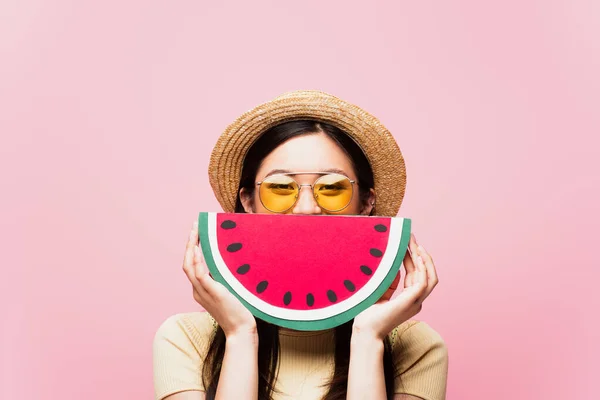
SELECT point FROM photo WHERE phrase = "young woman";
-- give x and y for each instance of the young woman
(300, 140)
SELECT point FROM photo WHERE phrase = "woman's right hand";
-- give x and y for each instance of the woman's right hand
(224, 307)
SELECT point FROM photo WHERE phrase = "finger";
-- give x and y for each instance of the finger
(189, 247)
(201, 260)
(422, 279)
(417, 255)
(201, 271)
(409, 253)
(418, 278)
(413, 245)
(199, 263)
(410, 262)
(190, 272)
(194, 233)
(194, 268)
(206, 285)
(395, 282)
(408, 298)
(188, 259)
(212, 288)
(429, 264)
(393, 286)
(203, 299)
(410, 268)
(422, 271)
(197, 297)
(432, 278)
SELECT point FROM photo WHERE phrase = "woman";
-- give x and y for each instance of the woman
(226, 353)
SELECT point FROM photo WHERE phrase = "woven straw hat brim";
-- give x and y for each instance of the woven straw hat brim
(378, 144)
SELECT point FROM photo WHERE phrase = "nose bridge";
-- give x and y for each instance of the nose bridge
(306, 203)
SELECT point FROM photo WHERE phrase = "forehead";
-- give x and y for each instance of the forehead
(307, 153)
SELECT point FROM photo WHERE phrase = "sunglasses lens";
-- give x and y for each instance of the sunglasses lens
(278, 193)
(333, 192)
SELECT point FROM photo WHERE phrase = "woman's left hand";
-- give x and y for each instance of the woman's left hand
(381, 318)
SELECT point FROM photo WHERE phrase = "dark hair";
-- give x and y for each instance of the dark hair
(268, 342)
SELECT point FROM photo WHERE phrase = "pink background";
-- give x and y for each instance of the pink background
(108, 112)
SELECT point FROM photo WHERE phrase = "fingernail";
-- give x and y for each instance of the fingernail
(420, 260)
(421, 248)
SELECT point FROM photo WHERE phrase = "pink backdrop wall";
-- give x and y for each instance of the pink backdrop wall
(108, 111)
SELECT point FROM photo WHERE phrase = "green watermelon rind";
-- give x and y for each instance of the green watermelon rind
(307, 325)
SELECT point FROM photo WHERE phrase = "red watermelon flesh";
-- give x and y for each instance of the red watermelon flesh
(302, 266)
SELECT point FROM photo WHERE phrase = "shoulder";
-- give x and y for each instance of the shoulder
(193, 328)
(179, 347)
(413, 339)
(415, 333)
(420, 358)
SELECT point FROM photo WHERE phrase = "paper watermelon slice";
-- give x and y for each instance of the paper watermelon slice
(304, 272)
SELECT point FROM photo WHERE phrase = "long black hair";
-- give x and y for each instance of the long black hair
(268, 342)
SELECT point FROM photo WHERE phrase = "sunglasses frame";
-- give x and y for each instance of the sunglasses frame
(312, 187)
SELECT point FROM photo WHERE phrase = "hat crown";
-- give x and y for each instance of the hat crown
(377, 143)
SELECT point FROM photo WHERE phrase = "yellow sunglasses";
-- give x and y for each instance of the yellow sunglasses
(332, 191)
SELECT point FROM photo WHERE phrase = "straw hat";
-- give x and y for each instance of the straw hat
(378, 144)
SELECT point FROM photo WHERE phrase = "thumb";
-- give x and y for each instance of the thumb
(393, 286)
(199, 263)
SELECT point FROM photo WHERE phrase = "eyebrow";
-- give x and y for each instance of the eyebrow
(287, 171)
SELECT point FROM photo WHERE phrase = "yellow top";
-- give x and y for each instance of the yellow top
(305, 359)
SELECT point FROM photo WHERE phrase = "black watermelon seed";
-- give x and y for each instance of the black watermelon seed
(287, 298)
(262, 286)
(349, 285)
(233, 247)
(331, 296)
(242, 269)
(228, 224)
(366, 270)
(380, 228)
(374, 252)
(310, 299)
